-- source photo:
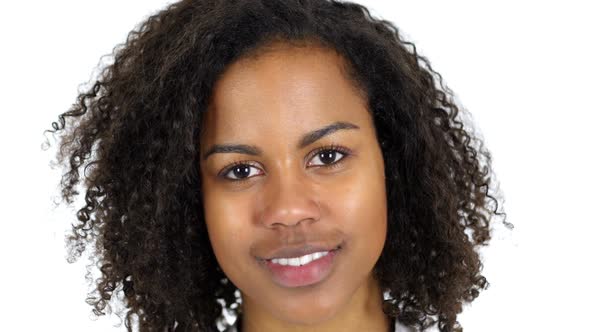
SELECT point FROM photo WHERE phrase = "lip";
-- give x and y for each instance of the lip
(297, 251)
(304, 275)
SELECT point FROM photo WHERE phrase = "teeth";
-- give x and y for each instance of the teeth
(298, 261)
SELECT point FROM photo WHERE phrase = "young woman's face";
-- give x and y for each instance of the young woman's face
(271, 192)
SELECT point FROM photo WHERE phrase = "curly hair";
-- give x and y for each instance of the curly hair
(134, 135)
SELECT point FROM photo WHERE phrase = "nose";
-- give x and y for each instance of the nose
(288, 200)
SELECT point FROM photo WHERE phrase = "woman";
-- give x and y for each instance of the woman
(289, 163)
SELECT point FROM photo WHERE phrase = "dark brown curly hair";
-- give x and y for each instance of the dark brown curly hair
(134, 136)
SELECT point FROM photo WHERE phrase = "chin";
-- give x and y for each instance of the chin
(307, 315)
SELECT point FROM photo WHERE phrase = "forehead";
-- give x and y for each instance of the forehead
(282, 91)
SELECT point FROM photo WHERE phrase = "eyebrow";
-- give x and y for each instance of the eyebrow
(304, 141)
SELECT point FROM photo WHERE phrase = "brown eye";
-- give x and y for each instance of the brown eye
(240, 171)
(328, 156)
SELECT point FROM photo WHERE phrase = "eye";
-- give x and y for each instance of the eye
(328, 157)
(241, 171)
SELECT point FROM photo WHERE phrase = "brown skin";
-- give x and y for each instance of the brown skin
(291, 196)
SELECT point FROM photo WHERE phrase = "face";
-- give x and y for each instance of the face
(290, 164)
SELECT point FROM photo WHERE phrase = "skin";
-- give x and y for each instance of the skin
(291, 196)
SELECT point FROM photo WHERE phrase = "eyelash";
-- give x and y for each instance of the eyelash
(333, 147)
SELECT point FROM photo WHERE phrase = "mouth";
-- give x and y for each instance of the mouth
(299, 251)
(302, 271)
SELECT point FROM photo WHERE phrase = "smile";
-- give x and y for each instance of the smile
(302, 271)
(299, 261)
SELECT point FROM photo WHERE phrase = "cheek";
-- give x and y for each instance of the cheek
(226, 220)
(367, 222)
(360, 207)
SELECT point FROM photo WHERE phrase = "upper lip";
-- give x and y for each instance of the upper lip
(300, 250)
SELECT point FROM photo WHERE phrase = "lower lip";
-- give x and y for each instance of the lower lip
(305, 275)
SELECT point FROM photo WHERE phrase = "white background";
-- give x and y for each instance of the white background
(521, 69)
